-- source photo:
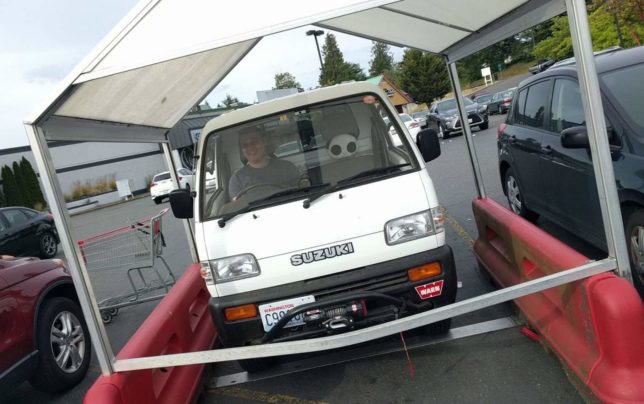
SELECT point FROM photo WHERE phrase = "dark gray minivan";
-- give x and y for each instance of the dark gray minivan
(544, 154)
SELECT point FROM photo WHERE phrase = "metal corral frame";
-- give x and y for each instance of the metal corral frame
(346, 16)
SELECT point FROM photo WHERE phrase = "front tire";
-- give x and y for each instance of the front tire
(47, 245)
(157, 200)
(635, 243)
(484, 125)
(64, 347)
(514, 193)
(442, 132)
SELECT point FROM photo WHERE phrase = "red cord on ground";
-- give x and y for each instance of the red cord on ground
(410, 364)
(530, 334)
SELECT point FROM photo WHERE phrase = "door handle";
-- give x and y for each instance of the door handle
(546, 150)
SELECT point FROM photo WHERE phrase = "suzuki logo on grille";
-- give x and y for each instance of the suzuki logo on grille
(322, 254)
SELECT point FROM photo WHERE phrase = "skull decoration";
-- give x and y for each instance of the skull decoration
(342, 146)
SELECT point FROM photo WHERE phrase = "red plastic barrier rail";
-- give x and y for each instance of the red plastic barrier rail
(593, 325)
(180, 323)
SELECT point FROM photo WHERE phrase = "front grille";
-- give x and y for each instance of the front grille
(372, 284)
(476, 119)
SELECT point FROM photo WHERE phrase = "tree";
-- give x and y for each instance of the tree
(21, 185)
(423, 75)
(286, 80)
(32, 184)
(381, 59)
(12, 194)
(607, 19)
(2, 202)
(230, 101)
(335, 69)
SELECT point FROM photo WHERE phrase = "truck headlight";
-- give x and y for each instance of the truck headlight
(229, 268)
(414, 226)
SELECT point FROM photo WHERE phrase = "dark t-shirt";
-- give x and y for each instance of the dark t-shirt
(276, 172)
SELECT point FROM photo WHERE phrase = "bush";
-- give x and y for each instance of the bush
(89, 188)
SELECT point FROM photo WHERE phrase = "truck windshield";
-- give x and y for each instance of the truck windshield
(300, 154)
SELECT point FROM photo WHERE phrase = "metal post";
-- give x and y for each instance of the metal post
(75, 263)
(186, 223)
(467, 132)
(596, 124)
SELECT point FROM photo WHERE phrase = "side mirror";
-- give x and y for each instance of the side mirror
(181, 203)
(575, 138)
(428, 144)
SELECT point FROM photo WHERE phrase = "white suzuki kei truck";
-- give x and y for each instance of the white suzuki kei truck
(310, 221)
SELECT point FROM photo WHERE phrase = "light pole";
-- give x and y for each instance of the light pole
(316, 33)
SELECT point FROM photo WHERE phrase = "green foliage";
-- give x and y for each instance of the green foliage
(423, 75)
(37, 200)
(13, 195)
(21, 185)
(230, 101)
(382, 60)
(604, 23)
(286, 80)
(2, 201)
(335, 69)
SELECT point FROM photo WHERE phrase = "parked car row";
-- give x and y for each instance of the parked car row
(544, 151)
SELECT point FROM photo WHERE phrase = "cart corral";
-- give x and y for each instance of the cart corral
(585, 318)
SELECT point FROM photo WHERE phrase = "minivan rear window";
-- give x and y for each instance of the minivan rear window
(627, 86)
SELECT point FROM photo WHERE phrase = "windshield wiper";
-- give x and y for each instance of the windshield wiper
(263, 201)
(346, 181)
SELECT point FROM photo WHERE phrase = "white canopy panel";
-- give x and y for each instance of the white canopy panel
(167, 55)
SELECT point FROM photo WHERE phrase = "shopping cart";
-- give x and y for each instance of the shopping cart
(133, 249)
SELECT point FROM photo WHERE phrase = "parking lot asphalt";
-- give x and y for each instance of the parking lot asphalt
(502, 366)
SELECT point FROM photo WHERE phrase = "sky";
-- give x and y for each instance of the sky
(41, 41)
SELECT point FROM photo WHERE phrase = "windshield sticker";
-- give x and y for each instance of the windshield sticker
(322, 254)
(430, 289)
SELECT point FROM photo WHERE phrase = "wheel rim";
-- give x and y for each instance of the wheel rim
(637, 249)
(514, 196)
(67, 342)
(48, 244)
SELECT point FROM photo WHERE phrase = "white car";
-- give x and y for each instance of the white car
(421, 118)
(162, 184)
(412, 125)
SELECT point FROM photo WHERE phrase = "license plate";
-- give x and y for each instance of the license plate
(469, 120)
(271, 313)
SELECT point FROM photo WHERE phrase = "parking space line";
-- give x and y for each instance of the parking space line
(460, 230)
(261, 396)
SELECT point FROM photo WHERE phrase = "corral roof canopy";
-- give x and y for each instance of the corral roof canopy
(167, 55)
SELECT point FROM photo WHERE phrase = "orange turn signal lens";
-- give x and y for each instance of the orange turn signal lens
(240, 312)
(424, 271)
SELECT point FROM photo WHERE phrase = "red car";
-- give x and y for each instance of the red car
(43, 335)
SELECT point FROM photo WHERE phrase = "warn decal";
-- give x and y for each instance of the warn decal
(430, 290)
(322, 254)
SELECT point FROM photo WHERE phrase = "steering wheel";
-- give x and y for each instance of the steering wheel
(257, 186)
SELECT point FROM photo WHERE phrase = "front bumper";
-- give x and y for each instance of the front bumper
(476, 119)
(372, 286)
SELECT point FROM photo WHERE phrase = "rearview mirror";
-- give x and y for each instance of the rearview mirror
(428, 144)
(181, 203)
(575, 138)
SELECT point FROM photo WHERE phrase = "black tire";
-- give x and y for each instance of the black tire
(49, 375)
(635, 243)
(256, 365)
(484, 125)
(514, 191)
(157, 200)
(47, 245)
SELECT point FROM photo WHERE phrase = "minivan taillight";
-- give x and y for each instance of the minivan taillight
(152, 184)
(500, 131)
